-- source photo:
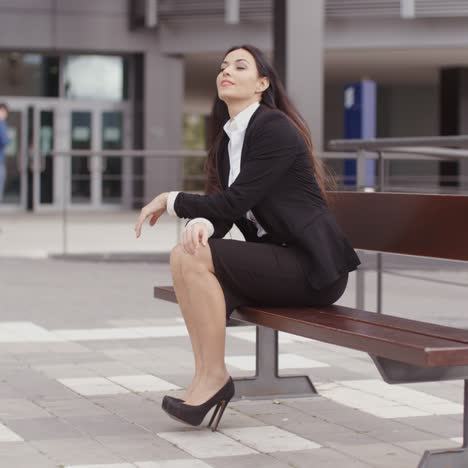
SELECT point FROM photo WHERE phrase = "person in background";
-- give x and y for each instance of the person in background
(4, 140)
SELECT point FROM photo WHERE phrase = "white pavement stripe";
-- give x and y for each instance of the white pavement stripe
(107, 465)
(7, 435)
(285, 361)
(386, 401)
(181, 463)
(88, 386)
(250, 335)
(143, 383)
(89, 334)
(408, 396)
(206, 444)
(25, 332)
(269, 439)
(113, 385)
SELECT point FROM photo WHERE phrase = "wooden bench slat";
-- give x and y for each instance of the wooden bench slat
(386, 336)
(166, 293)
(399, 345)
(428, 225)
(392, 321)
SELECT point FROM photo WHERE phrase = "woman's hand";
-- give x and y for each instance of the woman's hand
(155, 209)
(193, 235)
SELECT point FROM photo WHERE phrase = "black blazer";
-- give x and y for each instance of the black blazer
(277, 182)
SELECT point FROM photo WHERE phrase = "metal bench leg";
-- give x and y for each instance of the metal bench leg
(267, 383)
(450, 458)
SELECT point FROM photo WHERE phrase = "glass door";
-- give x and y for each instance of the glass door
(99, 181)
(42, 171)
(81, 138)
(42, 167)
(116, 171)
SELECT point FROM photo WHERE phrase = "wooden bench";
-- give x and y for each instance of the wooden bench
(404, 350)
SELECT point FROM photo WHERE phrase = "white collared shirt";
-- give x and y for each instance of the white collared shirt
(235, 129)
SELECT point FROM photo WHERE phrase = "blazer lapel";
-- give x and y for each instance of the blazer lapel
(245, 146)
(224, 165)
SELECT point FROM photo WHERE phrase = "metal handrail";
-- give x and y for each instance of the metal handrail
(339, 151)
(395, 148)
(439, 147)
(459, 141)
(130, 153)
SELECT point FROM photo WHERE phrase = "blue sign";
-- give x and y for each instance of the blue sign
(359, 123)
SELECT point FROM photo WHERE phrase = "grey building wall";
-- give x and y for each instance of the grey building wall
(102, 26)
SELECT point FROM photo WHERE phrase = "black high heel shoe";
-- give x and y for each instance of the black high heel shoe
(194, 414)
(170, 398)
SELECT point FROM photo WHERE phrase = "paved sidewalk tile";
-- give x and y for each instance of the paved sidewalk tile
(143, 383)
(206, 444)
(253, 461)
(323, 457)
(7, 435)
(20, 408)
(285, 361)
(93, 386)
(87, 355)
(268, 439)
(183, 463)
(23, 455)
(43, 428)
(381, 455)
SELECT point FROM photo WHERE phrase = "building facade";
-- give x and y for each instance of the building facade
(101, 75)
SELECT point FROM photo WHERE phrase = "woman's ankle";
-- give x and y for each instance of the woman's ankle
(215, 377)
(192, 386)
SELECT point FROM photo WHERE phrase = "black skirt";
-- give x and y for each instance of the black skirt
(267, 274)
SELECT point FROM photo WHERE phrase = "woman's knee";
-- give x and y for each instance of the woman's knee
(183, 262)
(175, 260)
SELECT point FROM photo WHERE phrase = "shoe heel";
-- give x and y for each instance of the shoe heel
(214, 413)
(221, 406)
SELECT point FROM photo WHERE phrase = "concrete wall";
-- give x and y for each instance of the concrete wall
(102, 26)
(402, 111)
(89, 26)
(407, 111)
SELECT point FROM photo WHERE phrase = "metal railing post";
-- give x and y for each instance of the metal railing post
(360, 273)
(64, 208)
(379, 254)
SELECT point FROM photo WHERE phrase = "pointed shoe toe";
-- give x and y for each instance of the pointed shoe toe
(194, 414)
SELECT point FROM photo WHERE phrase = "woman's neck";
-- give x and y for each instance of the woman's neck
(235, 108)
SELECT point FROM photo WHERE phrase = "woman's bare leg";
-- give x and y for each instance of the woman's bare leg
(184, 304)
(204, 307)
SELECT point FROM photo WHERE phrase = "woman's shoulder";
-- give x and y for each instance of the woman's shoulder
(275, 123)
(270, 113)
(274, 119)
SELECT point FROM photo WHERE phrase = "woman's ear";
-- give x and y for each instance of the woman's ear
(263, 85)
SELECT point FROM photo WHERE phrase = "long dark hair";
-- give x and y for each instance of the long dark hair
(274, 97)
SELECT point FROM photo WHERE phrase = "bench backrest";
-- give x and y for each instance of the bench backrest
(404, 223)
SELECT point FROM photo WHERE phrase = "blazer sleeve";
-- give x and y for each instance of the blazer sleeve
(271, 153)
(221, 228)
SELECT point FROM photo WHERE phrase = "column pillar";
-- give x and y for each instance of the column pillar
(298, 42)
(163, 121)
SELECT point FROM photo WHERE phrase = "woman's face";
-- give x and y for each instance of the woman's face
(238, 77)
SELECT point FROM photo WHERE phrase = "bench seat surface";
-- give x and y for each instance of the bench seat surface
(405, 340)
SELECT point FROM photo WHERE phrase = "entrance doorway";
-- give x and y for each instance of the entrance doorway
(41, 178)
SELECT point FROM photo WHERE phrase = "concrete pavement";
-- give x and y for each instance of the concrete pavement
(86, 356)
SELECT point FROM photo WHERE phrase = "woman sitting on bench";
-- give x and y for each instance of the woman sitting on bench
(263, 176)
